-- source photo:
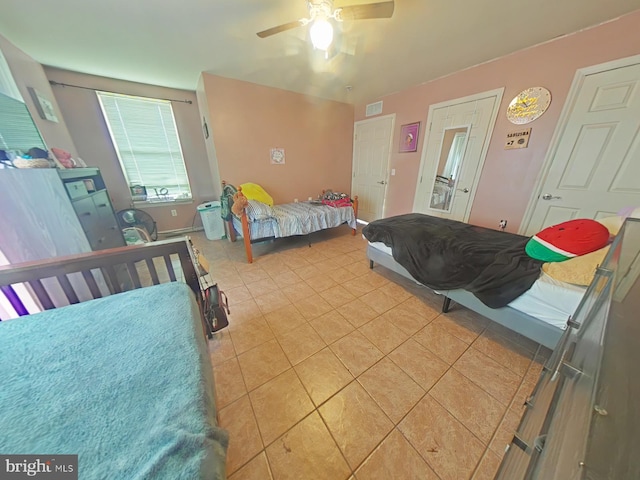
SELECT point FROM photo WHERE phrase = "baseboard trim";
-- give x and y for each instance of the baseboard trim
(180, 231)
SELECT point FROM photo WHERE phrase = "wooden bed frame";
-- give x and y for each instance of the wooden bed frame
(531, 327)
(115, 270)
(246, 236)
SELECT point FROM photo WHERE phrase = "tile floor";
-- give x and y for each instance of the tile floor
(330, 370)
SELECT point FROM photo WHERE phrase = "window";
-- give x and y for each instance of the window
(144, 134)
(17, 130)
(8, 85)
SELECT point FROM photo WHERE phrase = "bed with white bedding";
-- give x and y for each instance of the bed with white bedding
(531, 327)
(548, 300)
(482, 269)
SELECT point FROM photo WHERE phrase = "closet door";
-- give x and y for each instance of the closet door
(595, 168)
(443, 190)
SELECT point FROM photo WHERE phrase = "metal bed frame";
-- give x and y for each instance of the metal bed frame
(531, 327)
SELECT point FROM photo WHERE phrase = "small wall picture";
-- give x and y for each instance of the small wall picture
(409, 137)
(43, 105)
(138, 193)
(277, 156)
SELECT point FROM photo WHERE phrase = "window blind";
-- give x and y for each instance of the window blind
(8, 85)
(144, 134)
(17, 130)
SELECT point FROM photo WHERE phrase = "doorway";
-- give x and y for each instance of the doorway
(592, 168)
(458, 136)
(370, 172)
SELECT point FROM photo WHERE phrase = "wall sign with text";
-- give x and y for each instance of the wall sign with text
(518, 139)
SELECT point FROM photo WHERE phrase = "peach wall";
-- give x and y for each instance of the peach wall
(247, 120)
(29, 73)
(82, 112)
(509, 176)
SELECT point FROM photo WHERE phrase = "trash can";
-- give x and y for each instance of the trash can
(211, 220)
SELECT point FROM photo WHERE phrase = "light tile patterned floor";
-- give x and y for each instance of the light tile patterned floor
(330, 370)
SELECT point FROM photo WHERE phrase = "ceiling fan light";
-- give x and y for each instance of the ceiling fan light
(321, 34)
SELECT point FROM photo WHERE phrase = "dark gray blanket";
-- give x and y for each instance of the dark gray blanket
(445, 254)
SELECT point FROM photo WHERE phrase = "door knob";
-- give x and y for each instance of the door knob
(463, 190)
(548, 196)
(382, 182)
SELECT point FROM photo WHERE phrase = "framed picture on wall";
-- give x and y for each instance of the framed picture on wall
(277, 156)
(43, 105)
(138, 193)
(409, 137)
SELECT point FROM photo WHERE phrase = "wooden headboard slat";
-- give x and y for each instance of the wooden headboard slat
(67, 289)
(42, 295)
(91, 283)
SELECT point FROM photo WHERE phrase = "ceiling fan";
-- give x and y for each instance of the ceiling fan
(321, 11)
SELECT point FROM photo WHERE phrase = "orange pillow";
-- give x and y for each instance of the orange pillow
(579, 270)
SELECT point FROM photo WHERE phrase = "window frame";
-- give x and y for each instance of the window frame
(150, 201)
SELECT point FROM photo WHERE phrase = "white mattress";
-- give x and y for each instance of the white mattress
(380, 246)
(548, 299)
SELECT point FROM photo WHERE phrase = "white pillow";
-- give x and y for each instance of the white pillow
(258, 211)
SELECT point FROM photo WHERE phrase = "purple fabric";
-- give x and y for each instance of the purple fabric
(13, 298)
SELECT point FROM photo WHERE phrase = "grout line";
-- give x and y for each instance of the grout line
(493, 437)
(476, 383)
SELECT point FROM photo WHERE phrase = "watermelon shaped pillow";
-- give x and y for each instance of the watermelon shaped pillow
(567, 240)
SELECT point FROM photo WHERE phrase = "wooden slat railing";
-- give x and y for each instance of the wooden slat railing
(91, 283)
(121, 267)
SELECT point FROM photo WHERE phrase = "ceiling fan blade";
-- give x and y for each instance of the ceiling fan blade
(279, 29)
(369, 10)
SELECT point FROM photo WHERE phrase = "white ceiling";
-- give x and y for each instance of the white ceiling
(169, 42)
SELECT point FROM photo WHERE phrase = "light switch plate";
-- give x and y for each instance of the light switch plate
(393, 172)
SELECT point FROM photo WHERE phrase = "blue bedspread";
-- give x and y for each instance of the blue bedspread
(122, 381)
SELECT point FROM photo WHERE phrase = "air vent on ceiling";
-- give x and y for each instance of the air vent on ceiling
(374, 109)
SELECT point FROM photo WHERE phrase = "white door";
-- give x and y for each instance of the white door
(477, 111)
(595, 169)
(371, 149)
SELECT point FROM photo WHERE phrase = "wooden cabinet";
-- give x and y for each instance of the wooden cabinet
(90, 200)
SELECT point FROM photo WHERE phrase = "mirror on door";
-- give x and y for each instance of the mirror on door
(454, 144)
